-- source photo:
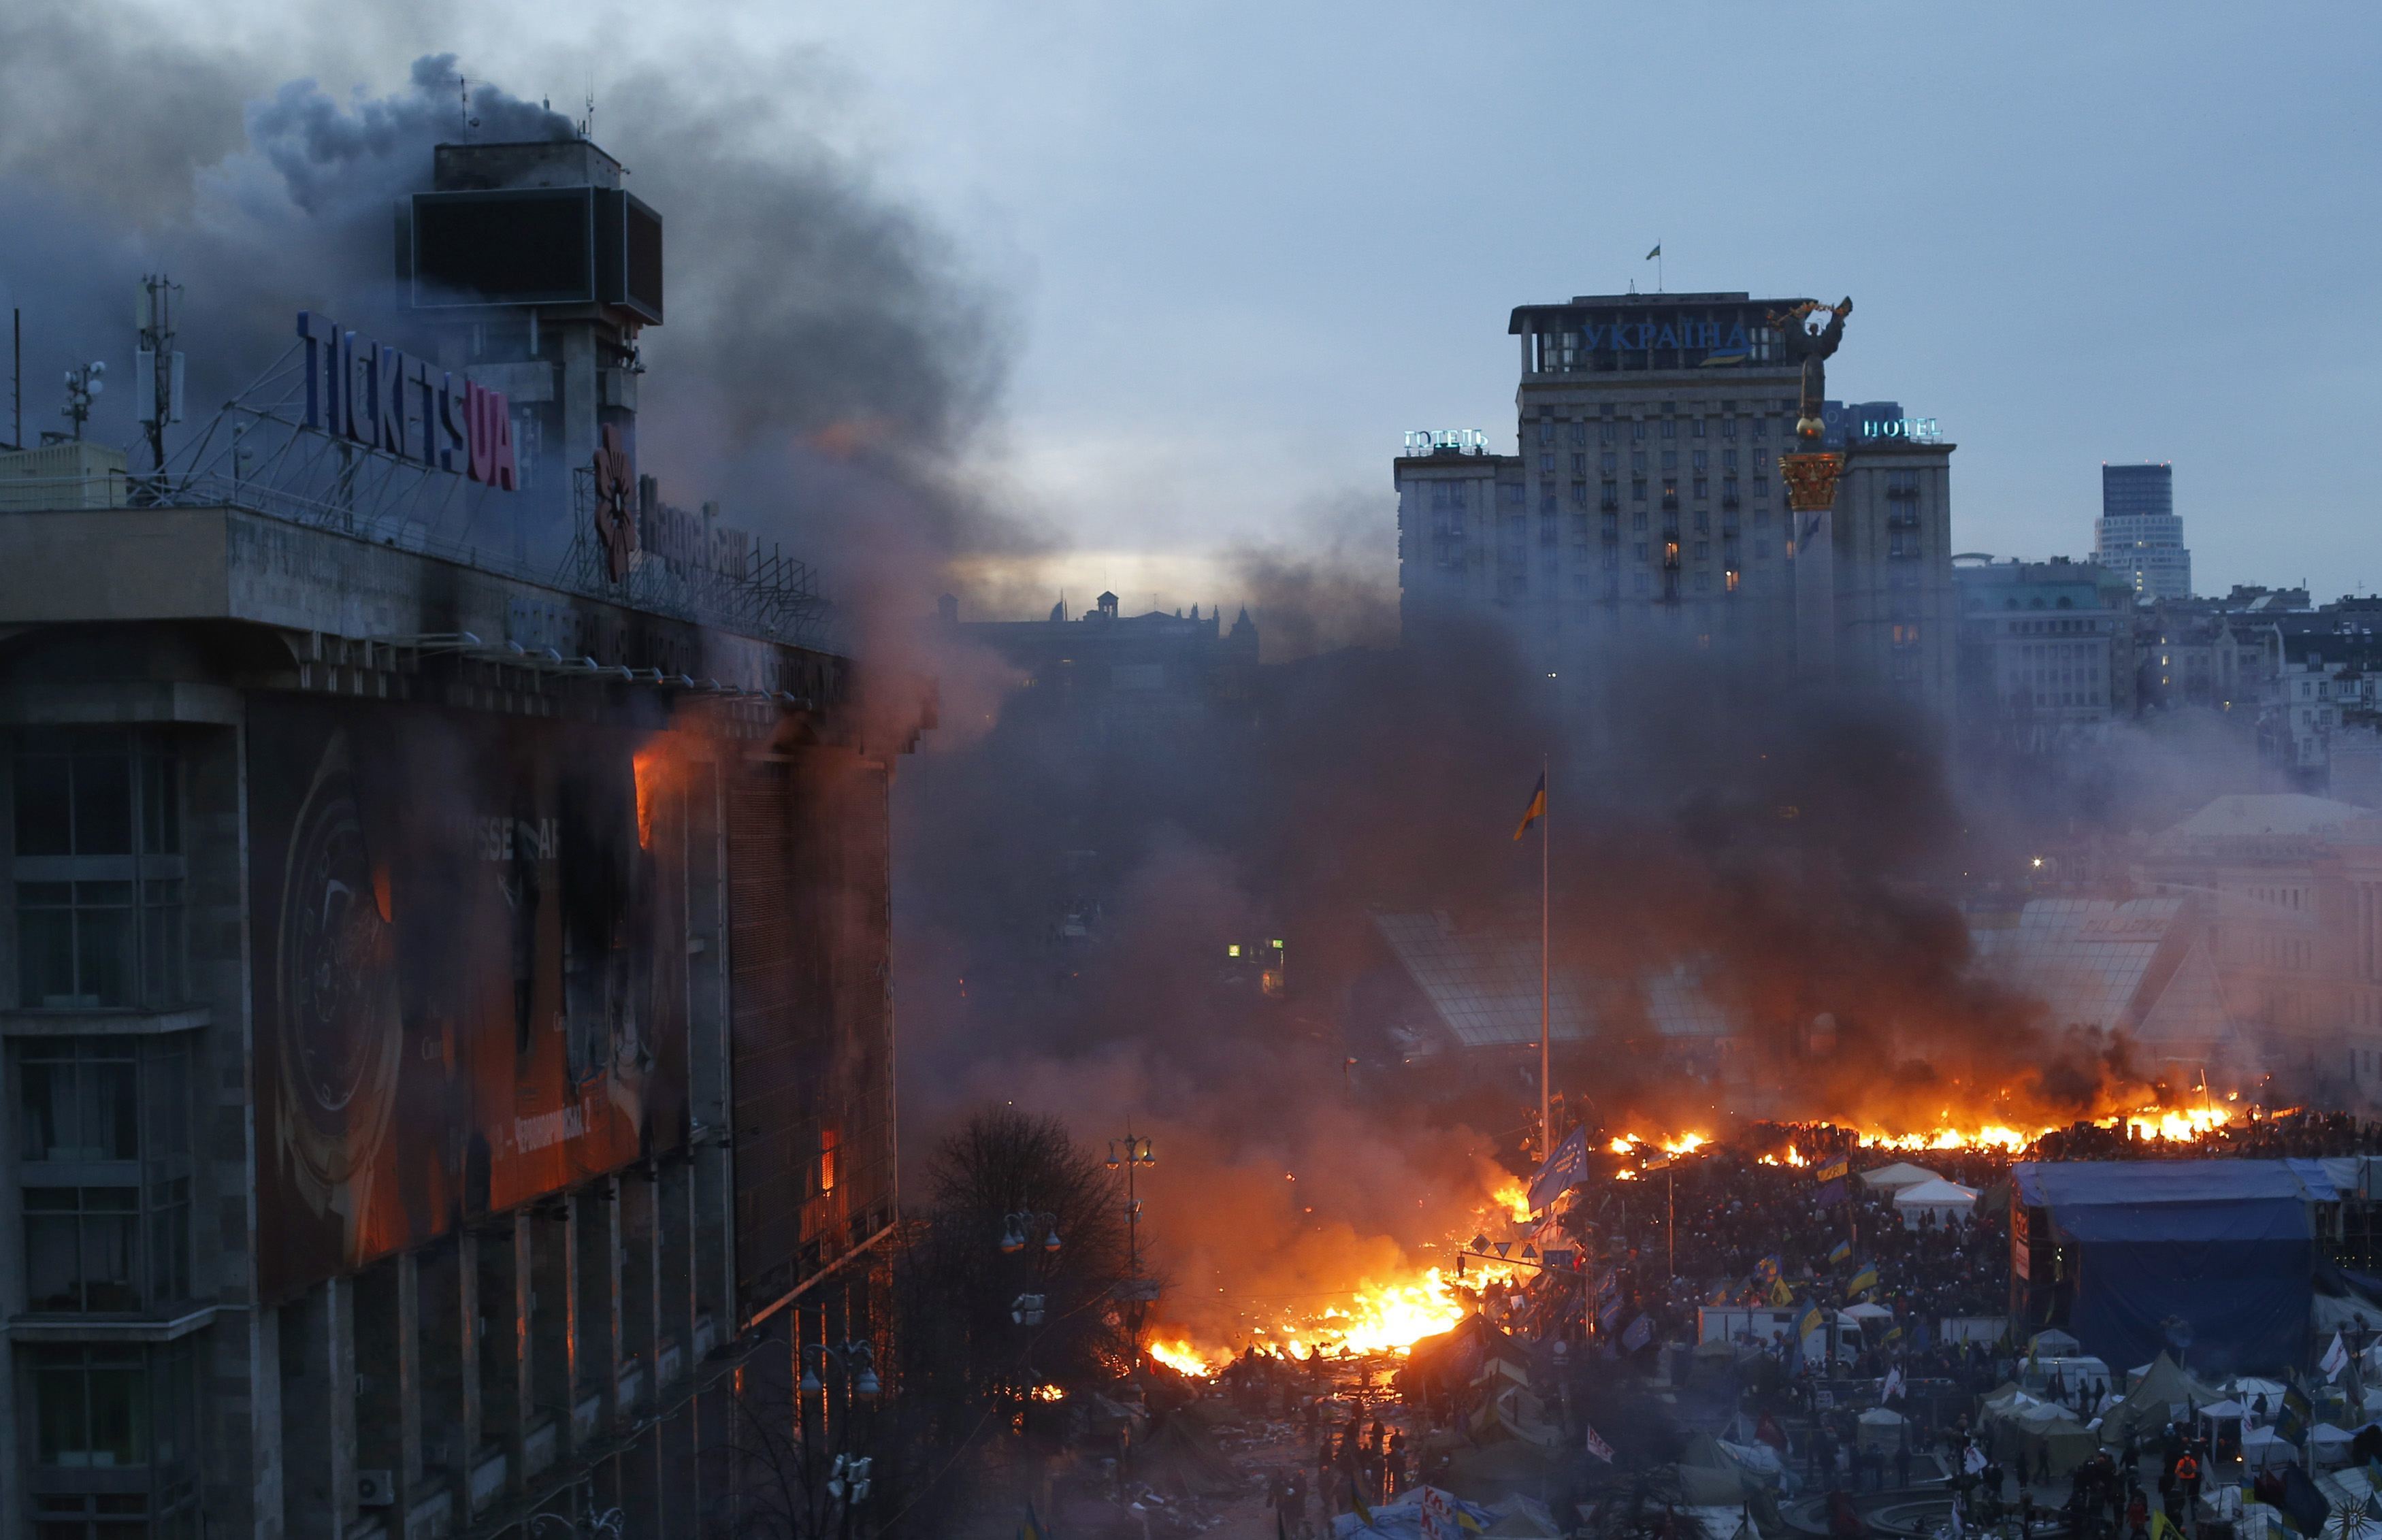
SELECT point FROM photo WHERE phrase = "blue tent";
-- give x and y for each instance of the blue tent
(2215, 1259)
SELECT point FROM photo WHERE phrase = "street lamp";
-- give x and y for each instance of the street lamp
(855, 1361)
(1132, 1153)
(1013, 1236)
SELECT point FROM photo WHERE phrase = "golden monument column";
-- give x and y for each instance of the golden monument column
(1810, 474)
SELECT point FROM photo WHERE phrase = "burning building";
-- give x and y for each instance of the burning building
(448, 1020)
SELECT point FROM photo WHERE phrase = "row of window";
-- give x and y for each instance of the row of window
(1610, 462)
(1665, 425)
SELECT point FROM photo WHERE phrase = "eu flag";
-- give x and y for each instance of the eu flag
(1564, 1170)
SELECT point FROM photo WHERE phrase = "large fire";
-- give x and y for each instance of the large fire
(1389, 1316)
(1371, 1318)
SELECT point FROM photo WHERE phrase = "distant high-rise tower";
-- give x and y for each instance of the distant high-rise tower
(2138, 532)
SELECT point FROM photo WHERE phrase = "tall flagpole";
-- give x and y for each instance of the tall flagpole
(1546, 835)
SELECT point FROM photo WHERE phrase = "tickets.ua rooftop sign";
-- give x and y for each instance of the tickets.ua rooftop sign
(383, 399)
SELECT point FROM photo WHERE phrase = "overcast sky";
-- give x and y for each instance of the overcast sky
(1244, 248)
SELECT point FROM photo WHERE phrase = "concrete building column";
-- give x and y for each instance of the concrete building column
(549, 1374)
(318, 1410)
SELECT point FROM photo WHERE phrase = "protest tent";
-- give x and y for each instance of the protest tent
(1879, 1428)
(2040, 1430)
(1895, 1177)
(2163, 1393)
(2217, 1254)
(1939, 1200)
(2264, 1446)
(2053, 1343)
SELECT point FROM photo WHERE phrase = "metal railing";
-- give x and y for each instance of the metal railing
(258, 455)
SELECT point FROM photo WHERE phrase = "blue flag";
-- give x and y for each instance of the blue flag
(1564, 1170)
(1840, 1252)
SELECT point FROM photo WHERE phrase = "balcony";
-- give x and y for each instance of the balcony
(1902, 494)
(1671, 502)
(1612, 503)
(1728, 499)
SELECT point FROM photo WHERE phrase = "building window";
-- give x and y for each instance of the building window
(1728, 460)
(1638, 462)
(1704, 583)
(1704, 522)
(1580, 432)
(1638, 430)
(1704, 550)
(1611, 462)
(1611, 496)
(1642, 550)
(1642, 582)
(1761, 490)
(1637, 488)
(98, 871)
(1701, 458)
(1761, 427)
(1761, 460)
(1546, 465)
(1703, 486)
(1604, 433)
(1671, 494)
(103, 1154)
(121, 1409)
(1728, 427)
(1546, 432)
(1698, 428)
(1670, 428)
(1670, 459)
(1638, 519)
(1579, 494)
(1579, 465)
(1547, 498)
(1731, 580)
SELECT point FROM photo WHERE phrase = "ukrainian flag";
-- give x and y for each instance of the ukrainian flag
(1835, 1171)
(1841, 1251)
(1536, 811)
(1864, 1281)
(1808, 1321)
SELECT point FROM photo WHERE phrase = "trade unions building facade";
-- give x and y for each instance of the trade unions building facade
(1643, 515)
(445, 998)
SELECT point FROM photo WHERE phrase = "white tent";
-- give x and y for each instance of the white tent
(1943, 1200)
(2265, 1446)
(1865, 1313)
(1895, 1177)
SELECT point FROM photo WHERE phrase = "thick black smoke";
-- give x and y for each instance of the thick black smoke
(826, 368)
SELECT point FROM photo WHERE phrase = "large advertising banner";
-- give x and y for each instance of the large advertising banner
(469, 951)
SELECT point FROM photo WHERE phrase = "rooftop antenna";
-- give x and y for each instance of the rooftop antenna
(587, 124)
(17, 351)
(157, 366)
(463, 87)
